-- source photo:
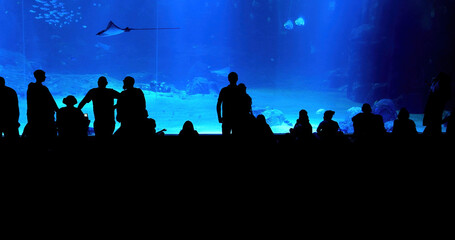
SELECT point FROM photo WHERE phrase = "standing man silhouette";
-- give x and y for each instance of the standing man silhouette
(41, 108)
(227, 106)
(131, 110)
(103, 108)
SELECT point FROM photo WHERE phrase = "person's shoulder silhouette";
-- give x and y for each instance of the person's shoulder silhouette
(131, 110)
(39, 99)
(70, 120)
(41, 108)
(328, 128)
(131, 104)
(9, 109)
(302, 126)
(103, 107)
(188, 130)
(367, 124)
(9, 105)
(403, 126)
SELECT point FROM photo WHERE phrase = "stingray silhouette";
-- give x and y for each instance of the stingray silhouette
(112, 30)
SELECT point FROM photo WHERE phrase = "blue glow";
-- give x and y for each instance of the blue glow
(291, 55)
(300, 21)
(288, 25)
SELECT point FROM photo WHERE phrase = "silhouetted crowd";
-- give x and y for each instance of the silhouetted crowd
(234, 110)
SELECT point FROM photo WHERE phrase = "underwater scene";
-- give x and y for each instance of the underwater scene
(315, 55)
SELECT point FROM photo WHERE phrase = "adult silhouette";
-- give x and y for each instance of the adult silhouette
(9, 112)
(188, 130)
(246, 120)
(302, 131)
(368, 125)
(264, 133)
(403, 126)
(41, 108)
(440, 91)
(71, 123)
(103, 107)
(131, 109)
(328, 129)
(227, 106)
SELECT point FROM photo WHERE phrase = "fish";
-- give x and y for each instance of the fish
(299, 21)
(112, 30)
(224, 72)
(102, 46)
(288, 25)
(320, 111)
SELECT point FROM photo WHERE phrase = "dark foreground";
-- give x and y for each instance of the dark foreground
(213, 186)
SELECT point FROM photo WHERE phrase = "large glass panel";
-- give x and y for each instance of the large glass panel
(291, 54)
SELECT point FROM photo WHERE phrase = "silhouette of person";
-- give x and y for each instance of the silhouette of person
(131, 109)
(227, 106)
(71, 123)
(263, 131)
(150, 128)
(302, 129)
(41, 108)
(368, 125)
(440, 91)
(188, 130)
(245, 101)
(403, 126)
(328, 129)
(103, 107)
(246, 119)
(9, 112)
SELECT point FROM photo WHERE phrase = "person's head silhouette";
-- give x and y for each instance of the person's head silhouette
(2, 82)
(261, 119)
(102, 82)
(70, 101)
(303, 114)
(366, 108)
(403, 114)
(188, 126)
(40, 75)
(242, 87)
(233, 78)
(128, 82)
(328, 115)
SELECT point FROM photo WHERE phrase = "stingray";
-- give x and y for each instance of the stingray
(113, 29)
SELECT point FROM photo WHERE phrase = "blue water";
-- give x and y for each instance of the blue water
(291, 54)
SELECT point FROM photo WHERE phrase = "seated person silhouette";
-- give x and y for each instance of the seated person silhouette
(368, 125)
(302, 129)
(71, 123)
(150, 128)
(188, 130)
(41, 108)
(328, 129)
(263, 131)
(103, 107)
(227, 106)
(131, 110)
(9, 112)
(403, 126)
